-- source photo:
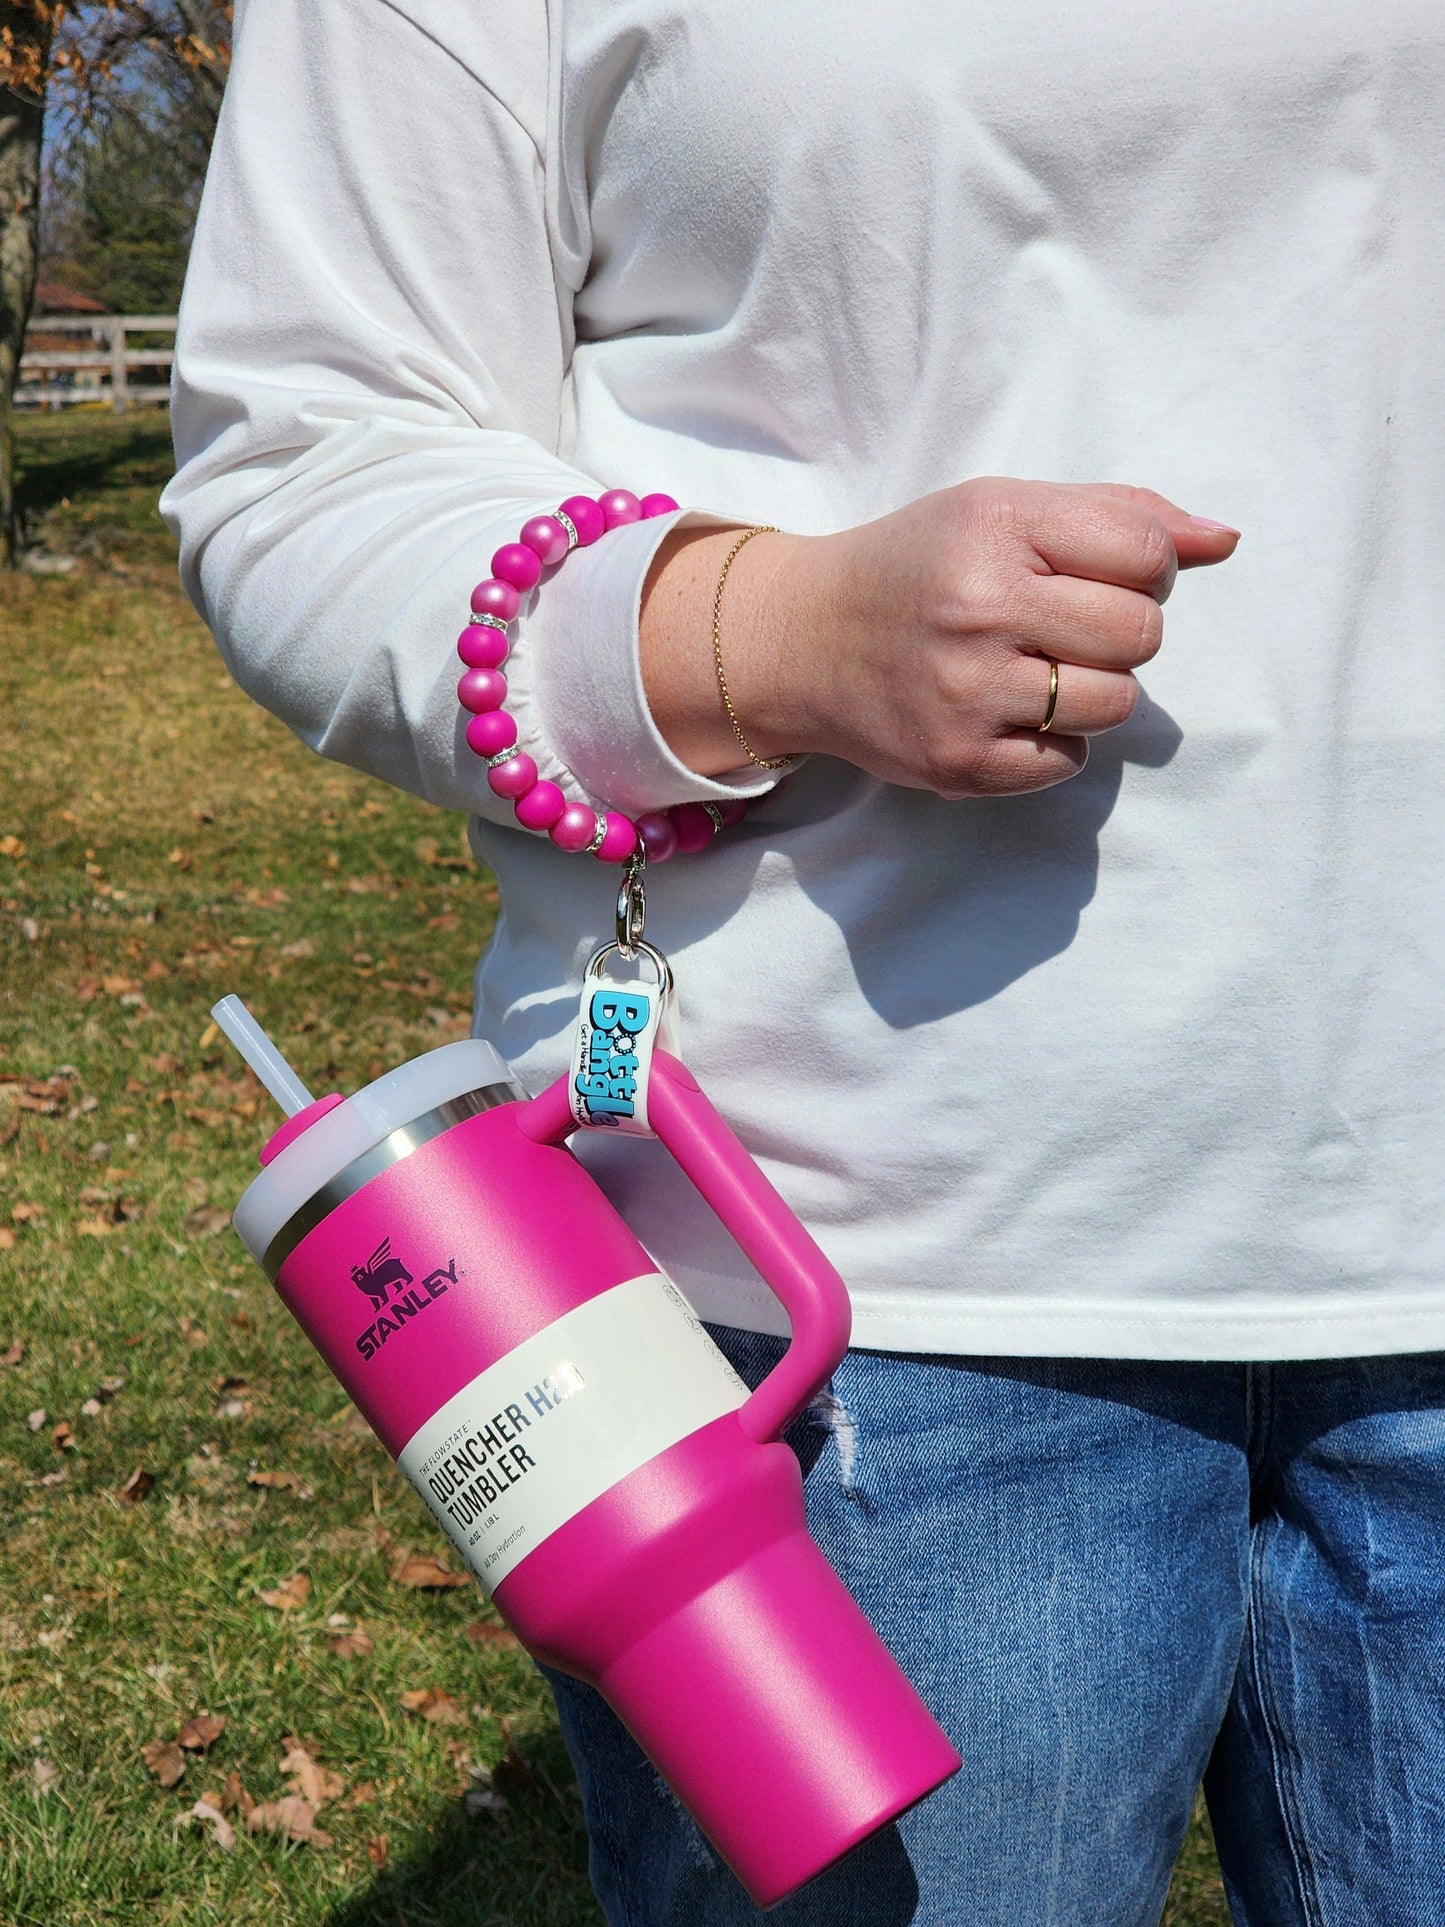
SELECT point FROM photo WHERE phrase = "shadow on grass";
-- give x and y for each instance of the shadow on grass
(89, 455)
(525, 1867)
(88, 482)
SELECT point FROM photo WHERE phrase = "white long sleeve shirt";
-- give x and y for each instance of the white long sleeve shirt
(1150, 1064)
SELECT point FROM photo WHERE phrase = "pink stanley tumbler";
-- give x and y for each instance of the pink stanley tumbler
(585, 1446)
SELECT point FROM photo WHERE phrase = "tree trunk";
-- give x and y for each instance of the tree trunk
(25, 32)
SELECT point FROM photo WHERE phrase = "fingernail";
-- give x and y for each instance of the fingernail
(1215, 528)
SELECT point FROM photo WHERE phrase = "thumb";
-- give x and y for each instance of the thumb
(1197, 539)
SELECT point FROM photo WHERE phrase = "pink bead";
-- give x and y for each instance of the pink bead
(585, 516)
(733, 811)
(656, 505)
(657, 835)
(695, 828)
(619, 506)
(491, 733)
(619, 841)
(575, 827)
(513, 778)
(493, 598)
(518, 565)
(482, 689)
(540, 808)
(546, 537)
(481, 647)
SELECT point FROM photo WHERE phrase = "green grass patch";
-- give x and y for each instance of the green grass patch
(163, 841)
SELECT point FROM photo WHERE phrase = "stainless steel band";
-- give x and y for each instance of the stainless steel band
(395, 1146)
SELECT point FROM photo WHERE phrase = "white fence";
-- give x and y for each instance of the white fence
(54, 378)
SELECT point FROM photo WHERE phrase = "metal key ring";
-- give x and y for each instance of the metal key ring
(639, 948)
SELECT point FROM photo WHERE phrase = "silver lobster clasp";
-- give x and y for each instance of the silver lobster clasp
(632, 905)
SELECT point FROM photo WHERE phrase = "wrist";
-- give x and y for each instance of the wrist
(771, 619)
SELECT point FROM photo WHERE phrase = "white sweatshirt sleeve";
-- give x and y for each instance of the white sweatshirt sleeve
(368, 386)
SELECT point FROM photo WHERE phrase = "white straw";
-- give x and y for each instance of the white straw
(262, 1055)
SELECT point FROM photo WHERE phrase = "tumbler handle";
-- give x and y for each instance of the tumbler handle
(766, 1231)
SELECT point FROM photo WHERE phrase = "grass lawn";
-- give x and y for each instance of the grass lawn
(194, 1528)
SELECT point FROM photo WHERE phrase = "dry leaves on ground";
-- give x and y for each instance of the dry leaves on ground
(356, 1644)
(274, 1481)
(425, 1573)
(376, 1850)
(233, 1797)
(290, 1594)
(15, 1353)
(314, 1782)
(485, 1632)
(435, 1706)
(165, 1760)
(292, 1816)
(223, 1834)
(206, 1221)
(201, 1731)
(136, 1486)
(44, 1775)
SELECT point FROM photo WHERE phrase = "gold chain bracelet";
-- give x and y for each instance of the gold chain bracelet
(763, 762)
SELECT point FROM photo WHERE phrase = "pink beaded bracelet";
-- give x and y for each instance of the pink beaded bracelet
(516, 567)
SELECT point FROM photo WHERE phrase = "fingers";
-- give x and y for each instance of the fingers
(1087, 622)
(1023, 760)
(1107, 532)
(1198, 540)
(1088, 701)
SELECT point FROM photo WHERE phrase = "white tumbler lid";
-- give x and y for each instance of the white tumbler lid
(319, 1154)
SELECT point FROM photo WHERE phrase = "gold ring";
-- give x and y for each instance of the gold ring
(1047, 724)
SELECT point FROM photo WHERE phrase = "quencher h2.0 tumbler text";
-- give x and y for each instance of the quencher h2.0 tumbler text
(621, 1496)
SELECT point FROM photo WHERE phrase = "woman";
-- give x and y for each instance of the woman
(1112, 1087)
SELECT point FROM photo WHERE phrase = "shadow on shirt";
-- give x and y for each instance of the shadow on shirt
(972, 913)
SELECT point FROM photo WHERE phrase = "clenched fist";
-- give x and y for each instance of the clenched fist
(918, 647)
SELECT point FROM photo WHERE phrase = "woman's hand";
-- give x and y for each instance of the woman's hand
(917, 647)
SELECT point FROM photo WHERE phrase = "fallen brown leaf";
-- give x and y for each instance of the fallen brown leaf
(44, 1775)
(433, 1705)
(273, 1481)
(223, 1834)
(206, 1221)
(136, 1486)
(290, 1594)
(7, 1236)
(362, 1794)
(34, 1420)
(14, 1355)
(234, 1797)
(425, 1573)
(483, 1633)
(201, 1731)
(293, 1816)
(315, 1783)
(26, 1213)
(62, 1438)
(353, 1645)
(376, 1850)
(118, 986)
(165, 1759)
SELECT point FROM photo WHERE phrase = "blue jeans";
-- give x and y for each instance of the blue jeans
(1110, 1580)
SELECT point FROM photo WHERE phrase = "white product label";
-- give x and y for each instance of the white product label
(557, 1422)
(618, 1026)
